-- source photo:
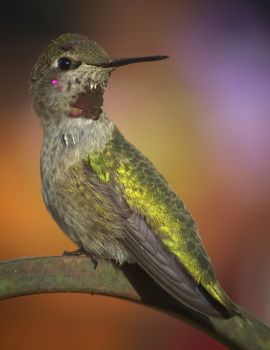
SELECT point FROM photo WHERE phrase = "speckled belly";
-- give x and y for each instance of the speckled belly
(81, 206)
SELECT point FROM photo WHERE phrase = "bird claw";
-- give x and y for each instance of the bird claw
(77, 252)
(81, 252)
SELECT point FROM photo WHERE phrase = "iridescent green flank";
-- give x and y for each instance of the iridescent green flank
(148, 193)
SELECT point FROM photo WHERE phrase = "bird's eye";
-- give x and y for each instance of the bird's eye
(64, 63)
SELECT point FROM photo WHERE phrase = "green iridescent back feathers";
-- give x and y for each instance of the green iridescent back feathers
(148, 194)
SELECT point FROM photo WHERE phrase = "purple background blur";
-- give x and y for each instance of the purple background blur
(202, 117)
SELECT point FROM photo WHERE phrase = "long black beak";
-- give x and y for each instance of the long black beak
(117, 62)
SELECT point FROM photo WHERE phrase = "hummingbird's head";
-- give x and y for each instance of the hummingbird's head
(68, 80)
(70, 76)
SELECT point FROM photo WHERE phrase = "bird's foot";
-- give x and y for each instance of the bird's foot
(77, 252)
(81, 252)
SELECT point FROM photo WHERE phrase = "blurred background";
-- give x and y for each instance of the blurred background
(202, 117)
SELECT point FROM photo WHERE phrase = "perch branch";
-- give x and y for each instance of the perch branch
(76, 274)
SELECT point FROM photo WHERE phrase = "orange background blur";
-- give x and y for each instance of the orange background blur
(202, 117)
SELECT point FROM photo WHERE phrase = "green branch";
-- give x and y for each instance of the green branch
(76, 274)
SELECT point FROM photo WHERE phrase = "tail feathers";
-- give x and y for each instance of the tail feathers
(221, 301)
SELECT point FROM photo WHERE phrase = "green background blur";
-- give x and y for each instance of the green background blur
(202, 117)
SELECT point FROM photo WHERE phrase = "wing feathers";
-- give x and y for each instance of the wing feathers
(151, 254)
(141, 240)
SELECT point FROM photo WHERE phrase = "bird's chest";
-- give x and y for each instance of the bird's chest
(63, 184)
(73, 194)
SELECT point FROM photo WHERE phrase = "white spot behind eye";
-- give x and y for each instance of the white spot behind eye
(55, 63)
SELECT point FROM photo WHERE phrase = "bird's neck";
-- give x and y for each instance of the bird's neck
(76, 138)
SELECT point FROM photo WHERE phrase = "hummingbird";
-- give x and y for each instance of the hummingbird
(105, 195)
